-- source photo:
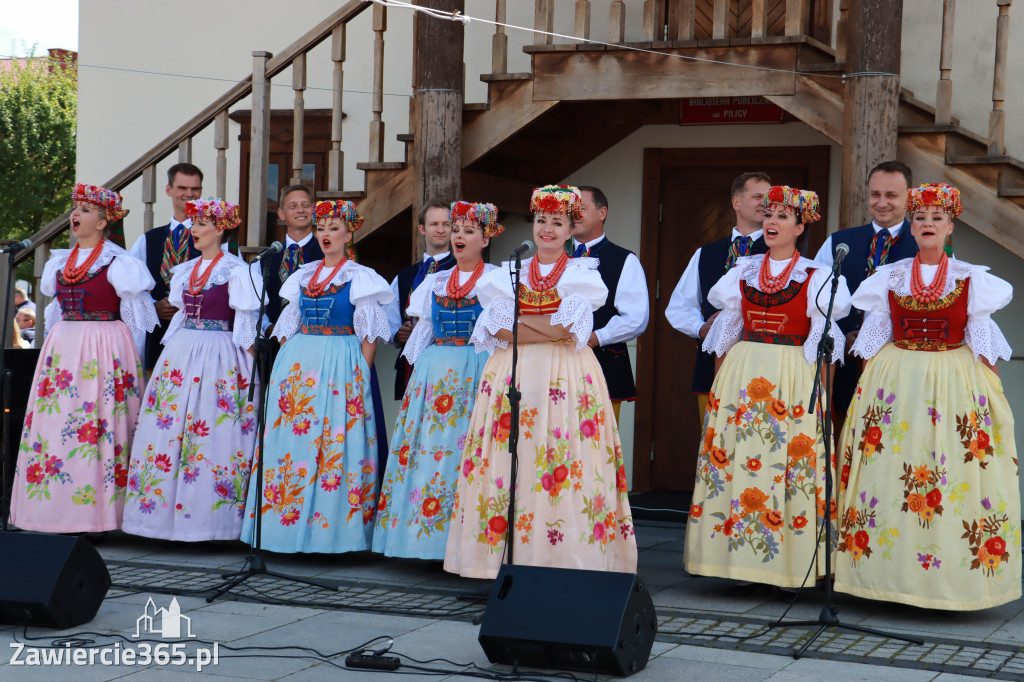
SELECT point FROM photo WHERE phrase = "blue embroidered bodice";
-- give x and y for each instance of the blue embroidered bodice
(454, 319)
(329, 314)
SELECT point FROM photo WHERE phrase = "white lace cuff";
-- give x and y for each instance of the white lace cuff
(371, 322)
(986, 340)
(244, 333)
(139, 313)
(575, 313)
(814, 337)
(725, 332)
(289, 322)
(422, 336)
(497, 315)
(875, 332)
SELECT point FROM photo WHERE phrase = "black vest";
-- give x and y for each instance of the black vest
(613, 358)
(155, 240)
(855, 264)
(310, 252)
(710, 268)
(406, 276)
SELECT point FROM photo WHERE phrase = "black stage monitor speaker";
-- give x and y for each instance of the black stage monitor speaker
(560, 618)
(56, 581)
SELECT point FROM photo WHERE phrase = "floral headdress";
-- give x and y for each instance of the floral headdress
(557, 199)
(341, 209)
(937, 194)
(225, 215)
(485, 215)
(107, 199)
(803, 202)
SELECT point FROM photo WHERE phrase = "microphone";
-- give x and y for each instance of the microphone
(841, 252)
(522, 249)
(276, 247)
(20, 246)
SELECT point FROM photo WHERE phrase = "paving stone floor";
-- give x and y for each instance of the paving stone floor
(270, 629)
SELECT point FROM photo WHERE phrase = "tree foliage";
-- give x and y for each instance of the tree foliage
(38, 119)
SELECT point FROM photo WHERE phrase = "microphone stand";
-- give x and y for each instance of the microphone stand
(829, 616)
(254, 563)
(5, 393)
(514, 396)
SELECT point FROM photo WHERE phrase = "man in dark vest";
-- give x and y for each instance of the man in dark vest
(688, 309)
(295, 210)
(166, 246)
(436, 229)
(886, 239)
(624, 315)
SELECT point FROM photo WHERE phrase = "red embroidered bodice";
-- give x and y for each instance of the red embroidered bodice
(92, 299)
(932, 326)
(779, 318)
(538, 302)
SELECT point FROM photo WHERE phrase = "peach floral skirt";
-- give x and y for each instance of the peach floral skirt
(758, 497)
(930, 504)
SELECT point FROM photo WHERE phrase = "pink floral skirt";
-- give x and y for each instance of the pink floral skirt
(572, 509)
(73, 458)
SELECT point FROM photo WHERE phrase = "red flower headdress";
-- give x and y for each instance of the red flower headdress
(803, 202)
(937, 194)
(485, 215)
(225, 215)
(557, 199)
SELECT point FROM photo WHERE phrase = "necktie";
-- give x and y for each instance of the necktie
(880, 246)
(580, 251)
(739, 247)
(290, 261)
(175, 251)
(427, 267)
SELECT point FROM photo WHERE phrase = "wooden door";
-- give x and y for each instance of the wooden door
(687, 204)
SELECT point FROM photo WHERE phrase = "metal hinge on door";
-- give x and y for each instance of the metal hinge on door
(661, 211)
(652, 452)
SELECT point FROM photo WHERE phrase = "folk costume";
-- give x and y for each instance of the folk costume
(572, 509)
(190, 462)
(72, 466)
(930, 507)
(320, 475)
(418, 490)
(758, 498)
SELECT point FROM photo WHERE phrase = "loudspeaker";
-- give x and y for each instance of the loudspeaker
(56, 581)
(595, 621)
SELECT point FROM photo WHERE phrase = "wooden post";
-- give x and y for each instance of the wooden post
(720, 25)
(842, 29)
(298, 116)
(185, 150)
(336, 157)
(581, 23)
(758, 20)
(499, 43)
(651, 24)
(681, 19)
(439, 96)
(617, 22)
(997, 119)
(259, 151)
(220, 143)
(797, 13)
(543, 20)
(148, 196)
(380, 24)
(871, 114)
(944, 90)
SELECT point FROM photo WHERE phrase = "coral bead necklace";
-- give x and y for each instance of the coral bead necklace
(771, 284)
(196, 283)
(458, 292)
(315, 288)
(73, 274)
(931, 292)
(539, 282)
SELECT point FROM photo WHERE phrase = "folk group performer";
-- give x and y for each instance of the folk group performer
(572, 510)
(929, 500)
(418, 491)
(758, 498)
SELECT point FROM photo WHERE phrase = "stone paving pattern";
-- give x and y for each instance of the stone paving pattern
(431, 614)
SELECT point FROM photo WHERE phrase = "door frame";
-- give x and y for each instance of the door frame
(815, 158)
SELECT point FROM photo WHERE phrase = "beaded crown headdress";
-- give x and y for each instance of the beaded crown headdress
(935, 194)
(341, 209)
(224, 214)
(107, 199)
(486, 215)
(557, 199)
(803, 202)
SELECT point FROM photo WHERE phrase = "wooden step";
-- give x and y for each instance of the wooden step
(476, 106)
(498, 77)
(380, 165)
(350, 195)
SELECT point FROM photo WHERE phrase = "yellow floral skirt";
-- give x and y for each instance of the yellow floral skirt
(759, 492)
(572, 509)
(929, 503)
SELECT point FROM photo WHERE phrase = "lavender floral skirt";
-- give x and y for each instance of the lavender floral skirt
(190, 462)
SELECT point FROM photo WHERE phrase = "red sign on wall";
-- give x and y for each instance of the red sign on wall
(716, 110)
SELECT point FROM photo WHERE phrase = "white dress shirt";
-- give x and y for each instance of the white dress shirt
(631, 301)
(824, 254)
(683, 309)
(394, 309)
